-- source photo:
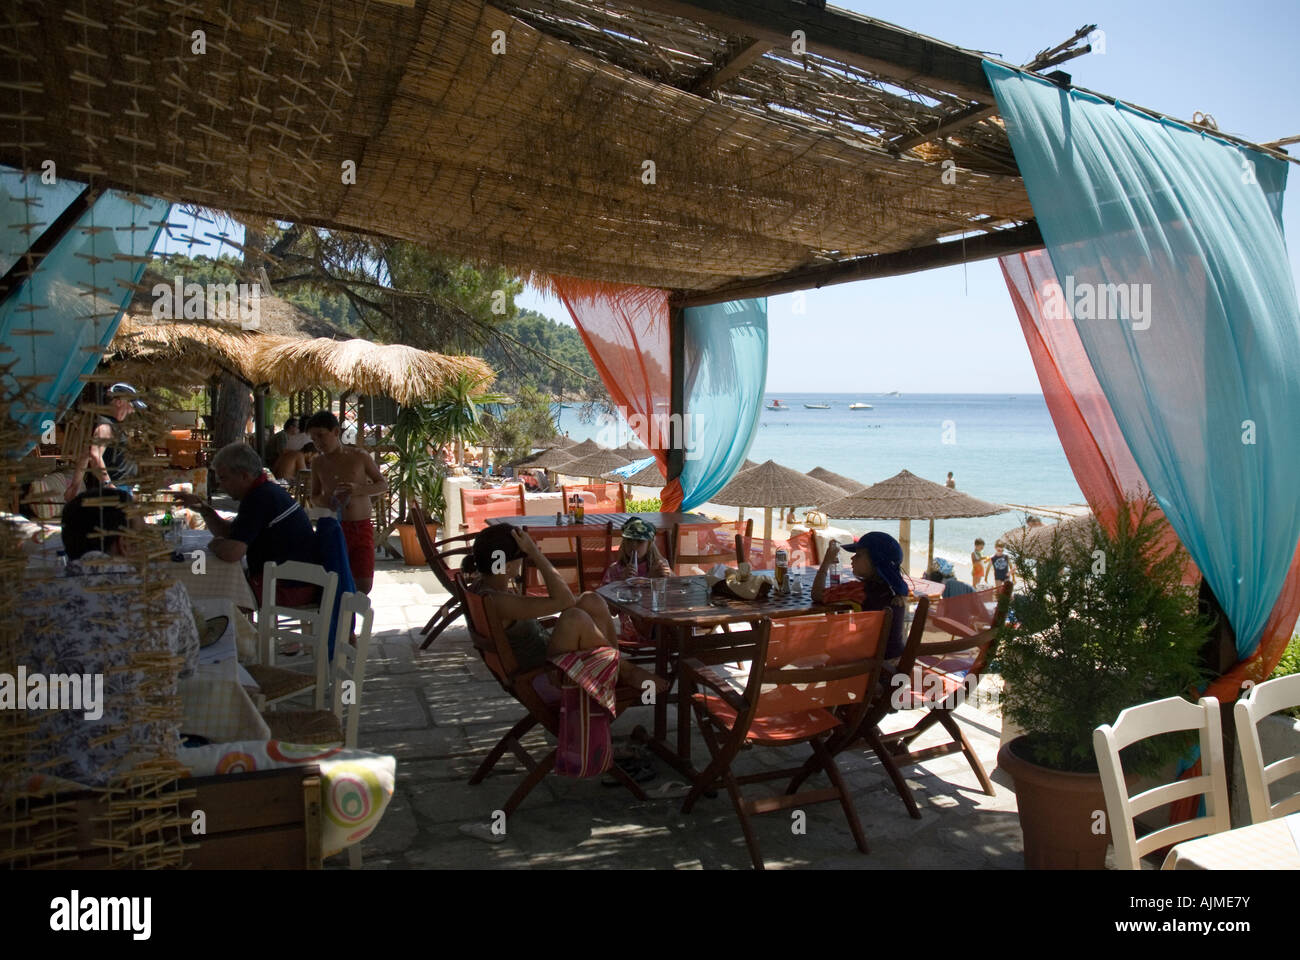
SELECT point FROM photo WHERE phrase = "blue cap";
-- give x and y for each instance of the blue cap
(886, 556)
(943, 566)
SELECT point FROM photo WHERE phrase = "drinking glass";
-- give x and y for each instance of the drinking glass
(658, 592)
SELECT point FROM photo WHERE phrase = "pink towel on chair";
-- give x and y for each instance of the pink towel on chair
(595, 671)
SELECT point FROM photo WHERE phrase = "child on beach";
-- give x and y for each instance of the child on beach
(978, 570)
(1001, 565)
(345, 478)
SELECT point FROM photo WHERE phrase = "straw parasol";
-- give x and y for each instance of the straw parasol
(580, 450)
(836, 480)
(772, 485)
(1038, 540)
(594, 464)
(905, 496)
(562, 443)
(551, 458)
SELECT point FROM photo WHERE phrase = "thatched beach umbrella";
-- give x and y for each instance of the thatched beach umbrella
(594, 464)
(772, 485)
(550, 459)
(1038, 540)
(586, 447)
(905, 496)
(836, 480)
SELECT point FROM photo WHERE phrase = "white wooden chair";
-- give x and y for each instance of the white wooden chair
(1259, 702)
(348, 674)
(308, 625)
(1150, 720)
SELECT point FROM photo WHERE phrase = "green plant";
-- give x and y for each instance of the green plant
(1287, 665)
(414, 474)
(456, 414)
(648, 505)
(1102, 623)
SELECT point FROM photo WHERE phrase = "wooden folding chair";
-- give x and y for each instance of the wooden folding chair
(579, 553)
(536, 692)
(441, 556)
(478, 506)
(597, 497)
(698, 547)
(940, 676)
(810, 666)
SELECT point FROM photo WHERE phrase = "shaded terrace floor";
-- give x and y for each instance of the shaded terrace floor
(439, 711)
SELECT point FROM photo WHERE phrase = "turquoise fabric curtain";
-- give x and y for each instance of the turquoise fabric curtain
(1167, 244)
(726, 370)
(77, 294)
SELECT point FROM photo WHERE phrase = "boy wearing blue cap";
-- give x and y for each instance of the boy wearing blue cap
(877, 560)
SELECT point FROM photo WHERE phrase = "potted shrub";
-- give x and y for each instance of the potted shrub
(415, 476)
(1102, 623)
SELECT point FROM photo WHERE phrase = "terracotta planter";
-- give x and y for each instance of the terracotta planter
(1057, 813)
(412, 553)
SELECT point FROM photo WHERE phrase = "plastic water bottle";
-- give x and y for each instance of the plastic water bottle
(833, 575)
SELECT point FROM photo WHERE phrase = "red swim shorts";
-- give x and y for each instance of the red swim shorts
(360, 538)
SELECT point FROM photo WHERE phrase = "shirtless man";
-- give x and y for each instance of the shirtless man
(344, 479)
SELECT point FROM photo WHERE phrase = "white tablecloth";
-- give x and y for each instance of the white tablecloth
(218, 580)
(1272, 845)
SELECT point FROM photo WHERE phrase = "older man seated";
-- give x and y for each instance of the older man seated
(94, 629)
(269, 527)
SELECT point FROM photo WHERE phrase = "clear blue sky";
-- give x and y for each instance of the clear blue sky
(1236, 61)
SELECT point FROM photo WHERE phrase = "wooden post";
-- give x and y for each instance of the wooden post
(767, 523)
(677, 398)
(905, 541)
(929, 563)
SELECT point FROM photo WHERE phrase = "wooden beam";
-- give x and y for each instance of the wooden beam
(954, 121)
(996, 244)
(21, 270)
(739, 58)
(872, 45)
(677, 391)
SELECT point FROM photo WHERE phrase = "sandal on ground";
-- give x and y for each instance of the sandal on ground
(672, 790)
(640, 770)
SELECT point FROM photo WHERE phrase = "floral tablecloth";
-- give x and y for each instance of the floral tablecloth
(356, 785)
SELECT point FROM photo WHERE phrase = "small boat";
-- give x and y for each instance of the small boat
(777, 405)
(861, 406)
(893, 393)
(817, 406)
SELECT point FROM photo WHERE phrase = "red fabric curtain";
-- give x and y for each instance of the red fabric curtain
(1096, 449)
(626, 332)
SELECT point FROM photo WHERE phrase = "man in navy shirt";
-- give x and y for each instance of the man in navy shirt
(270, 527)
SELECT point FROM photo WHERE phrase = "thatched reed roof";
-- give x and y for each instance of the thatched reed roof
(772, 485)
(593, 465)
(836, 480)
(907, 496)
(650, 475)
(765, 160)
(149, 351)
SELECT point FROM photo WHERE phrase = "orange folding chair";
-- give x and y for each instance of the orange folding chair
(536, 692)
(698, 547)
(579, 554)
(477, 506)
(597, 497)
(801, 670)
(444, 560)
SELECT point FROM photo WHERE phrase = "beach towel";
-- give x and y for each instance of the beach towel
(334, 558)
(587, 705)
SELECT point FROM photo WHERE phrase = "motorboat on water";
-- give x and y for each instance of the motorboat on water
(777, 405)
(817, 406)
(861, 406)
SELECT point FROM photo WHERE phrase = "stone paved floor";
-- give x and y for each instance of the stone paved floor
(439, 711)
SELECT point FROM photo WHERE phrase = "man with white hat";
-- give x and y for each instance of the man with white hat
(108, 462)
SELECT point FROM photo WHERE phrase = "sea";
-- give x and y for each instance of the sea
(999, 447)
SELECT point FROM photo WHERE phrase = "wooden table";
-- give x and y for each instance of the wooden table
(661, 521)
(687, 606)
(1271, 845)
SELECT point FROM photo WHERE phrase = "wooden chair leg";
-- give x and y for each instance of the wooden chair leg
(440, 621)
(850, 814)
(530, 781)
(895, 774)
(624, 778)
(746, 824)
(950, 724)
(505, 743)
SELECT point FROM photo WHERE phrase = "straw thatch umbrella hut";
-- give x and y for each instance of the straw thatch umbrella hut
(551, 460)
(593, 465)
(772, 485)
(836, 480)
(1037, 540)
(586, 447)
(905, 496)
